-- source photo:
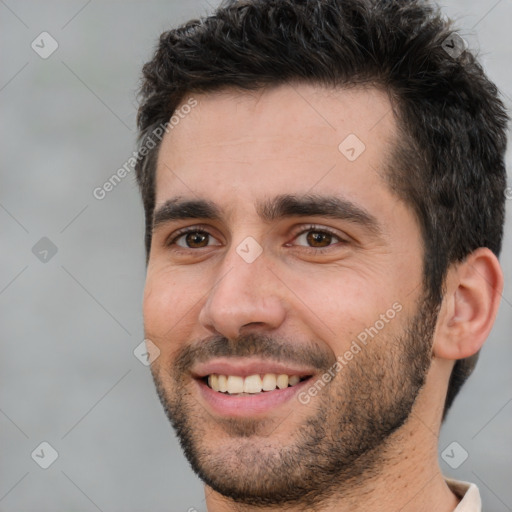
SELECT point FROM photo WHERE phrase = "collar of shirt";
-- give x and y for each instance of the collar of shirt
(468, 493)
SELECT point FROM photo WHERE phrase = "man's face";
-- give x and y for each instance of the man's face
(301, 263)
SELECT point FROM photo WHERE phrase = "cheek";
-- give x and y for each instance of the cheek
(167, 307)
(341, 304)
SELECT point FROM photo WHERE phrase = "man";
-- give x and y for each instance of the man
(324, 213)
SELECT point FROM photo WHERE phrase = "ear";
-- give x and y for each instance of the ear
(470, 305)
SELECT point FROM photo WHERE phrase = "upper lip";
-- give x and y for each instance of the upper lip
(244, 367)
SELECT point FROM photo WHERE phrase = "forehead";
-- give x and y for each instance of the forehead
(242, 146)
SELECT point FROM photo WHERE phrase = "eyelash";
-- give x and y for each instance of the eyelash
(311, 227)
(319, 229)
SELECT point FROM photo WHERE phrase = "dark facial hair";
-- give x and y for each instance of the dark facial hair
(340, 442)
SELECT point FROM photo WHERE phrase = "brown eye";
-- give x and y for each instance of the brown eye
(316, 238)
(193, 240)
(197, 239)
(319, 239)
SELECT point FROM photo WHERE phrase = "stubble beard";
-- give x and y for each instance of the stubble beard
(336, 445)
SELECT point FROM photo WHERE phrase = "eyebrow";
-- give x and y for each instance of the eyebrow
(279, 207)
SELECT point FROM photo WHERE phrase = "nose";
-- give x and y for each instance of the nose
(245, 295)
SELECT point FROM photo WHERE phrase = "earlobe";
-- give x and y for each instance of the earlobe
(470, 305)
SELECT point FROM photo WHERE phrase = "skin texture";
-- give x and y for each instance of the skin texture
(369, 438)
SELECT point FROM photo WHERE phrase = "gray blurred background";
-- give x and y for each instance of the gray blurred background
(72, 270)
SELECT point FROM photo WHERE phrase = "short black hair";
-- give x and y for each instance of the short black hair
(448, 164)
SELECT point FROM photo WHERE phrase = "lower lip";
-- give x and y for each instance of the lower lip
(225, 404)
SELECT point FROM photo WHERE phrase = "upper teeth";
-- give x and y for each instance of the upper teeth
(251, 384)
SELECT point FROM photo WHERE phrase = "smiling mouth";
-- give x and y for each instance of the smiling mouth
(252, 384)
